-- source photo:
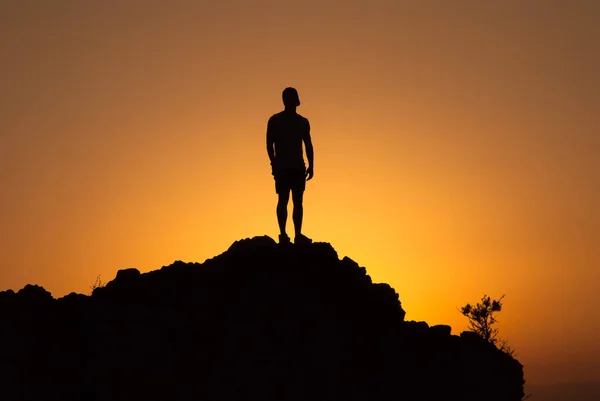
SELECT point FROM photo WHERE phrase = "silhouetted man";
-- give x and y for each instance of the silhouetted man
(285, 132)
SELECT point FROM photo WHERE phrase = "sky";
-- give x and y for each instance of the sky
(456, 148)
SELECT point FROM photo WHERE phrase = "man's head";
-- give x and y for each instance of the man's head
(290, 98)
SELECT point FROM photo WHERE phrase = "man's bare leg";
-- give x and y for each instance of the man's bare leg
(298, 211)
(282, 203)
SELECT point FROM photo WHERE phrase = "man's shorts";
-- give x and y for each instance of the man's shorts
(290, 179)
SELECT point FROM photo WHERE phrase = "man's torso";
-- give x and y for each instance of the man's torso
(288, 130)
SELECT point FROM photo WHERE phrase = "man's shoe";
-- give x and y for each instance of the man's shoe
(302, 239)
(284, 239)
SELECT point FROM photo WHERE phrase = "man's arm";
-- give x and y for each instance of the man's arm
(309, 152)
(271, 141)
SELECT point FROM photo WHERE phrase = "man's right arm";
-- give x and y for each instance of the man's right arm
(271, 141)
(271, 144)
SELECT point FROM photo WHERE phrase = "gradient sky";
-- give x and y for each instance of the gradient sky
(456, 148)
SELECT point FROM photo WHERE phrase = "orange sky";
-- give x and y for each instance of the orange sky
(455, 148)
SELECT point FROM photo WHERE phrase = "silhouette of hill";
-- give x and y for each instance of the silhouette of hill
(259, 322)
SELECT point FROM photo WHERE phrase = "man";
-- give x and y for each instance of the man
(285, 133)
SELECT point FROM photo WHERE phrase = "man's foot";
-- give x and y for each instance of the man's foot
(302, 239)
(284, 239)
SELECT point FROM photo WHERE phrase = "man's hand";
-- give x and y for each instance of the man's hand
(309, 173)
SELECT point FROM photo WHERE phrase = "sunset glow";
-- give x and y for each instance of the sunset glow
(456, 149)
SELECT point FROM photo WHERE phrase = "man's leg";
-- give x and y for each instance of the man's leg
(298, 211)
(284, 197)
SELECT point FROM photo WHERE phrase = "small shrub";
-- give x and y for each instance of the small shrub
(482, 320)
(98, 283)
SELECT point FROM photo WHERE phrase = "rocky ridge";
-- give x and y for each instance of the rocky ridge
(258, 322)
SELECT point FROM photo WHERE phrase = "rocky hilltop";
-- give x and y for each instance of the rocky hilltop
(259, 322)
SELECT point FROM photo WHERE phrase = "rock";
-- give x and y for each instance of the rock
(252, 243)
(127, 274)
(258, 322)
(34, 293)
(441, 329)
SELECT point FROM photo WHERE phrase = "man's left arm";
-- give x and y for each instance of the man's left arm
(309, 152)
